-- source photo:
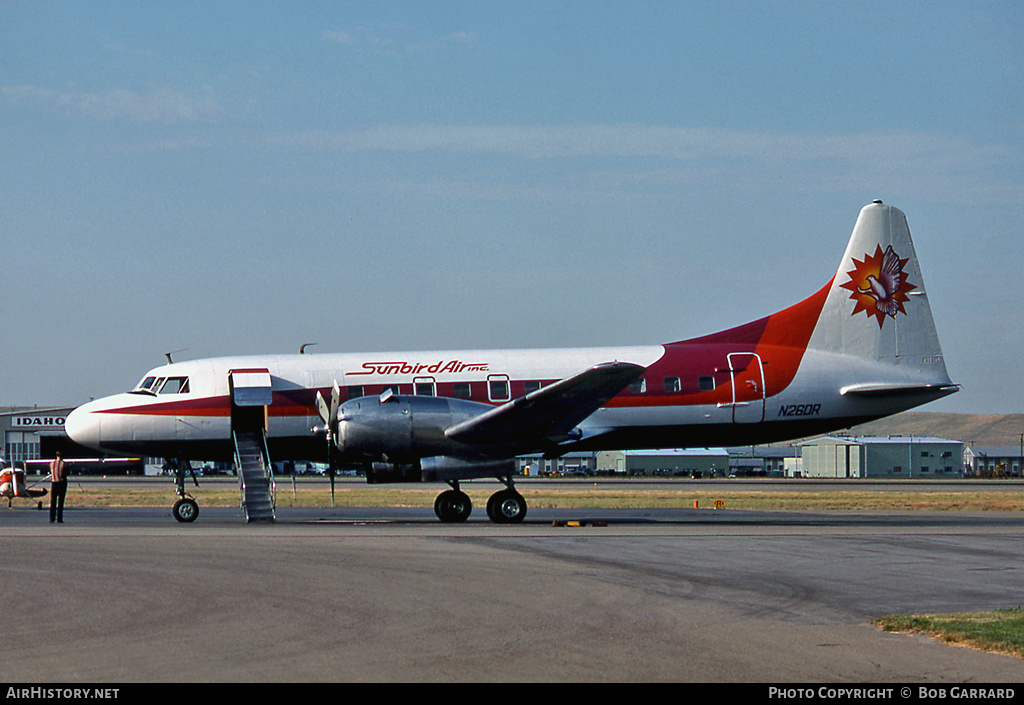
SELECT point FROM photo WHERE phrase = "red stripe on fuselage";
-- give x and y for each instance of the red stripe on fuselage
(220, 406)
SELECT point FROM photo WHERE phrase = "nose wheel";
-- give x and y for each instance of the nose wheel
(186, 509)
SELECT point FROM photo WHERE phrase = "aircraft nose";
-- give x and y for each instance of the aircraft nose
(83, 427)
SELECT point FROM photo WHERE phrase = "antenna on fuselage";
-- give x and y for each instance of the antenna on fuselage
(302, 348)
(172, 352)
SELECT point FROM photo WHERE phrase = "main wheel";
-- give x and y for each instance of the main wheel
(185, 510)
(453, 506)
(506, 507)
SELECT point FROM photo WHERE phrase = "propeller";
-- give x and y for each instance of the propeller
(330, 416)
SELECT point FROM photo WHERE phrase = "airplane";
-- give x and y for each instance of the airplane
(862, 347)
(12, 486)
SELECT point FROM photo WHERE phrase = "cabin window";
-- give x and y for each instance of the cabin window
(531, 386)
(175, 385)
(706, 383)
(424, 387)
(672, 384)
(497, 388)
(638, 386)
(463, 390)
(355, 391)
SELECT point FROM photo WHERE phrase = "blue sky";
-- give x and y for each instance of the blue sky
(238, 177)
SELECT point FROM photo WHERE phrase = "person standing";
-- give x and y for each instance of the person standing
(58, 488)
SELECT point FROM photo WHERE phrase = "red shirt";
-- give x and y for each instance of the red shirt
(58, 470)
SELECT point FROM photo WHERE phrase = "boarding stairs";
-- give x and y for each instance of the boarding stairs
(255, 475)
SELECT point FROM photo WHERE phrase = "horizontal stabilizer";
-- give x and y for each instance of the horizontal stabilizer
(886, 390)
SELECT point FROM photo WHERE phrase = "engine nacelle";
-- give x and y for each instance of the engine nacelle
(400, 429)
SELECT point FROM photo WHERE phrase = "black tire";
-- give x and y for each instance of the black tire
(506, 507)
(453, 506)
(185, 510)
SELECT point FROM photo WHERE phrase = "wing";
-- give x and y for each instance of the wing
(548, 413)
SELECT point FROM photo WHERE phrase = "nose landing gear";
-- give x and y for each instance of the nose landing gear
(186, 509)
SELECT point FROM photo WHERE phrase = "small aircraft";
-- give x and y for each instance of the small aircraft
(862, 347)
(12, 486)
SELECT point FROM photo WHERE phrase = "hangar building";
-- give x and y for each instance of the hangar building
(33, 435)
(895, 457)
(26, 430)
(688, 462)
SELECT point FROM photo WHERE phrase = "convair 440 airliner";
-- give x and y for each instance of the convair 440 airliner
(862, 347)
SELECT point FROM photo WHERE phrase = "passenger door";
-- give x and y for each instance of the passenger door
(748, 393)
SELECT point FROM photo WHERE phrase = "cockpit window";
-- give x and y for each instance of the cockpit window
(147, 386)
(162, 385)
(174, 385)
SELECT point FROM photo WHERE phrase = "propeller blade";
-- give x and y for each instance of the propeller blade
(329, 414)
(321, 406)
(335, 403)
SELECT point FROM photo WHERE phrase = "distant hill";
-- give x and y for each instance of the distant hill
(974, 429)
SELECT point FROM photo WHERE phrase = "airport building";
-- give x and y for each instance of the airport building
(32, 433)
(536, 465)
(994, 461)
(772, 461)
(688, 462)
(894, 457)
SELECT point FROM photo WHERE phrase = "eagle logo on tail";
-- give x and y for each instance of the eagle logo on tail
(878, 285)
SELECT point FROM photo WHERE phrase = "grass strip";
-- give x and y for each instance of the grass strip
(318, 494)
(999, 631)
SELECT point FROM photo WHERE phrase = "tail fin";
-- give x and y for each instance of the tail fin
(877, 310)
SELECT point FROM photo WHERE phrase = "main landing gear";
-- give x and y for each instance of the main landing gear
(453, 506)
(503, 507)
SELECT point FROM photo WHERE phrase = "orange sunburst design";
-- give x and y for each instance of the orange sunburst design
(878, 284)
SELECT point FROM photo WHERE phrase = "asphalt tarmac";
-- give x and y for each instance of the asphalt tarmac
(391, 595)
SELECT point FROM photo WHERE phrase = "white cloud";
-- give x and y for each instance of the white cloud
(461, 38)
(359, 37)
(158, 105)
(394, 36)
(672, 143)
(338, 36)
(939, 165)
